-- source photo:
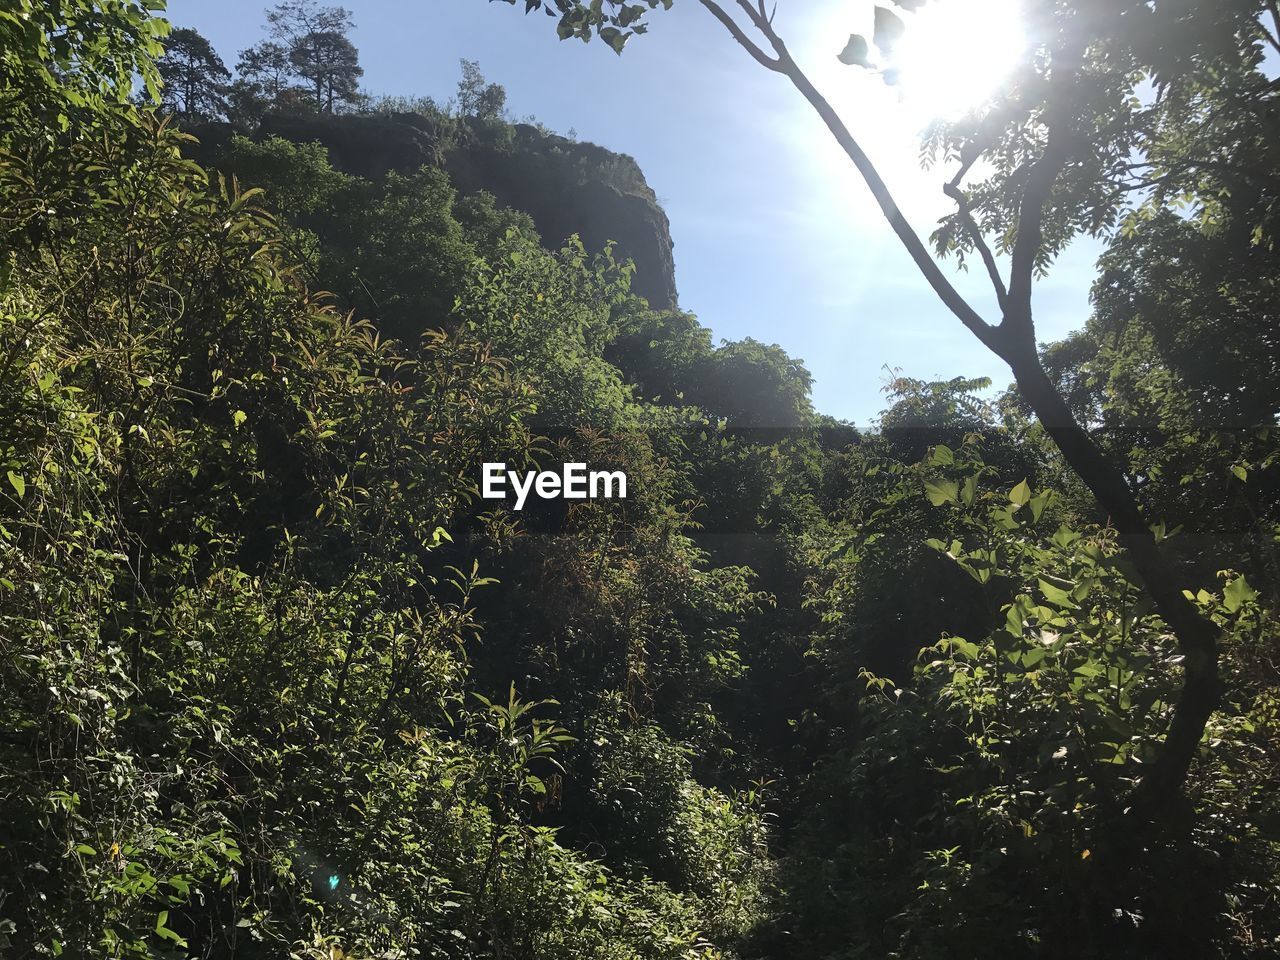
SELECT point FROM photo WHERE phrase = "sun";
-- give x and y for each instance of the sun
(954, 55)
(951, 58)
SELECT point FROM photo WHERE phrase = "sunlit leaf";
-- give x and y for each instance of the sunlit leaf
(941, 491)
(1237, 593)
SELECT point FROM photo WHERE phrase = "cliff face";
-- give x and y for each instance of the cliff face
(567, 187)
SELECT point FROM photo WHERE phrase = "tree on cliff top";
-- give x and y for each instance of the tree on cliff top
(478, 98)
(309, 55)
(195, 78)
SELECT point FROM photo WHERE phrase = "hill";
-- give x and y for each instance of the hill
(568, 187)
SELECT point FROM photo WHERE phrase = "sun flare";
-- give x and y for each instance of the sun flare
(951, 57)
(954, 55)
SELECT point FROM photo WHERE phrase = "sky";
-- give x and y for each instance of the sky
(775, 236)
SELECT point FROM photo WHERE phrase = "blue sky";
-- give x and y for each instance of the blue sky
(775, 237)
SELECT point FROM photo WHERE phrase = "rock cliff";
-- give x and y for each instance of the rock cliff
(566, 186)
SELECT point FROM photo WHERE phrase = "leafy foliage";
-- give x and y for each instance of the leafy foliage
(239, 713)
(65, 58)
(308, 61)
(613, 21)
(985, 784)
(276, 684)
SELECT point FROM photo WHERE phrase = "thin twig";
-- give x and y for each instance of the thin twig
(953, 191)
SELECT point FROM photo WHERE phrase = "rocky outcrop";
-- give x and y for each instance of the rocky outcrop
(567, 187)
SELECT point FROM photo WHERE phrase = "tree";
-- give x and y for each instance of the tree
(1061, 142)
(267, 69)
(223, 545)
(291, 21)
(1183, 319)
(476, 98)
(315, 41)
(195, 78)
(330, 64)
(309, 60)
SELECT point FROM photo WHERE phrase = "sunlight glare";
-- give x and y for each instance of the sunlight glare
(955, 54)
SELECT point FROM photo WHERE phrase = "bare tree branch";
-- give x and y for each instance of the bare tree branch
(743, 40)
(762, 23)
(953, 191)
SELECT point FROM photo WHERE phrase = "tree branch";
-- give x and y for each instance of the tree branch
(1197, 637)
(915, 247)
(1026, 248)
(744, 41)
(953, 191)
(1275, 18)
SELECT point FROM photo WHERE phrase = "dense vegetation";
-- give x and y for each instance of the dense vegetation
(275, 682)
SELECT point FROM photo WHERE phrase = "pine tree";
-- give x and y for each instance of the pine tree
(195, 78)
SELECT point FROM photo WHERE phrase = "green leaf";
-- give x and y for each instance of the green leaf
(1237, 593)
(1065, 537)
(162, 929)
(1056, 595)
(239, 417)
(615, 38)
(1034, 656)
(1021, 494)
(941, 491)
(18, 484)
(1039, 502)
(1018, 613)
(168, 934)
(1241, 473)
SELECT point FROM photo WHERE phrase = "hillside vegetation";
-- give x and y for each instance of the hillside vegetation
(275, 682)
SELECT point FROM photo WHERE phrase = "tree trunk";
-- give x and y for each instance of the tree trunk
(1197, 636)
